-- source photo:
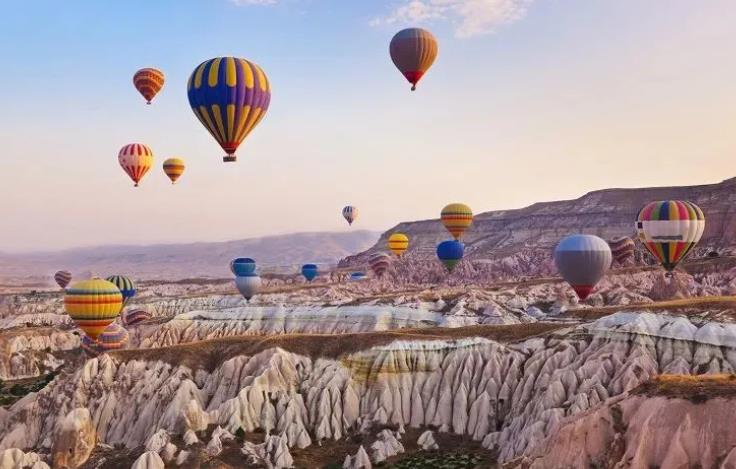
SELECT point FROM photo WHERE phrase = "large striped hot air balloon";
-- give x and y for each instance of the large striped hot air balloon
(248, 285)
(124, 284)
(93, 305)
(456, 218)
(148, 82)
(135, 159)
(135, 316)
(582, 260)
(63, 278)
(242, 266)
(229, 96)
(309, 271)
(379, 263)
(450, 252)
(398, 243)
(174, 168)
(114, 337)
(622, 249)
(413, 51)
(350, 213)
(670, 229)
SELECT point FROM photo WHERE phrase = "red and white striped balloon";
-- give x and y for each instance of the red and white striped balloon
(136, 159)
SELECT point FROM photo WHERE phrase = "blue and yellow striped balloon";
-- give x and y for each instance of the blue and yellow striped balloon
(229, 96)
(124, 284)
(93, 305)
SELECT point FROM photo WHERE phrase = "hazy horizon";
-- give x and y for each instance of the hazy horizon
(528, 101)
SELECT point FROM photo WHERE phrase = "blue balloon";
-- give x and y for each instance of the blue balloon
(356, 276)
(243, 267)
(309, 271)
(450, 253)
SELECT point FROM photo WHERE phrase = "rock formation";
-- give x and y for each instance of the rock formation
(75, 440)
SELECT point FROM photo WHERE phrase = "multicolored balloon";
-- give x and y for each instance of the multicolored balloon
(229, 96)
(135, 159)
(248, 286)
(413, 51)
(457, 218)
(148, 82)
(124, 284)
(670, 229)
(450, 252)
(243, 266)
(622, 248)
(379, 263)
(357, 276)
(398, 243)
(90, 346)
(93, 305)
(174, 168)
(135, 316)
(583, 260)
(114, 337)
(350, 213)
(63, 278)
(309, 271)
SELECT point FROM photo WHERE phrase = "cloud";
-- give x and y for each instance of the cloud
(469, 17)
(253, 2)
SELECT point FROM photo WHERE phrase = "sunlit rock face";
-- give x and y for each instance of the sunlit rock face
(30, 353)
(510, 397)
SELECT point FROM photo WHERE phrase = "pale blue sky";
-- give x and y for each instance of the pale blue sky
(528, 101)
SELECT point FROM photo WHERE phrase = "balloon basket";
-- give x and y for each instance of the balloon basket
(229, 158)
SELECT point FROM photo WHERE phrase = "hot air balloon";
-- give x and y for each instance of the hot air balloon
(622, 248)
(135, 316)
(124, 284)
(90, 346)
(243, 266)
(398, 243)
(450, 252)
(413, 51)
(309, 271)
(174, 168)
(229, 96)
(113, 337)
(357, 276)
(148, 82)
(456, 218)
(350, 213)
(582, 260)
(93, 305)
(248, 285)
(63, 278)
(135, 159)
(379, 263)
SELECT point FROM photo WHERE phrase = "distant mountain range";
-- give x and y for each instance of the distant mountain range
(282, 253)
(532, 232)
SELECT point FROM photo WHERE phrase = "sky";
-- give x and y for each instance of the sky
(529, 100)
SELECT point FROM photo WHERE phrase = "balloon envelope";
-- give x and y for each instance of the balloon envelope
(93, 305)
(398, 243)
(229, 96)
(135, 316)
(670, 229)
(350, 213)
(379, 263)
(125, 285)
(309, 271)
(243, 266)
(135, 159)
(622, 249)
(413, 51)
(356, 276)
(450, 252)
(113, 337)
(248, 286)
(148, 82)
(582, 260)
(174, 168)
(63, 278)
(456, 218)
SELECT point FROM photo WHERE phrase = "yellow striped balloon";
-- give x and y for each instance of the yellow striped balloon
(93, 305)
(135, 159)
(174, 168)
(456, 218)
(398, 243)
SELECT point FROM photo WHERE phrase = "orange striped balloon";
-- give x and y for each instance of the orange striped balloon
(398, 243)
(148, 82)
(174, 168)
(413, 51)
(456, 218)
(135, 159)
(93, 305)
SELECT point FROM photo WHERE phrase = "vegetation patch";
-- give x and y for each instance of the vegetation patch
(440, 460)
(14, 391)
(695, 388)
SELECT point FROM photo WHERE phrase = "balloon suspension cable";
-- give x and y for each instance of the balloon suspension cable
(229, 158)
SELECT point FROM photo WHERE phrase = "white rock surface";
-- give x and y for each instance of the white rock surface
(385, 446)
(273, 453)
(427, 442)
(148, 460)
(359, 461)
